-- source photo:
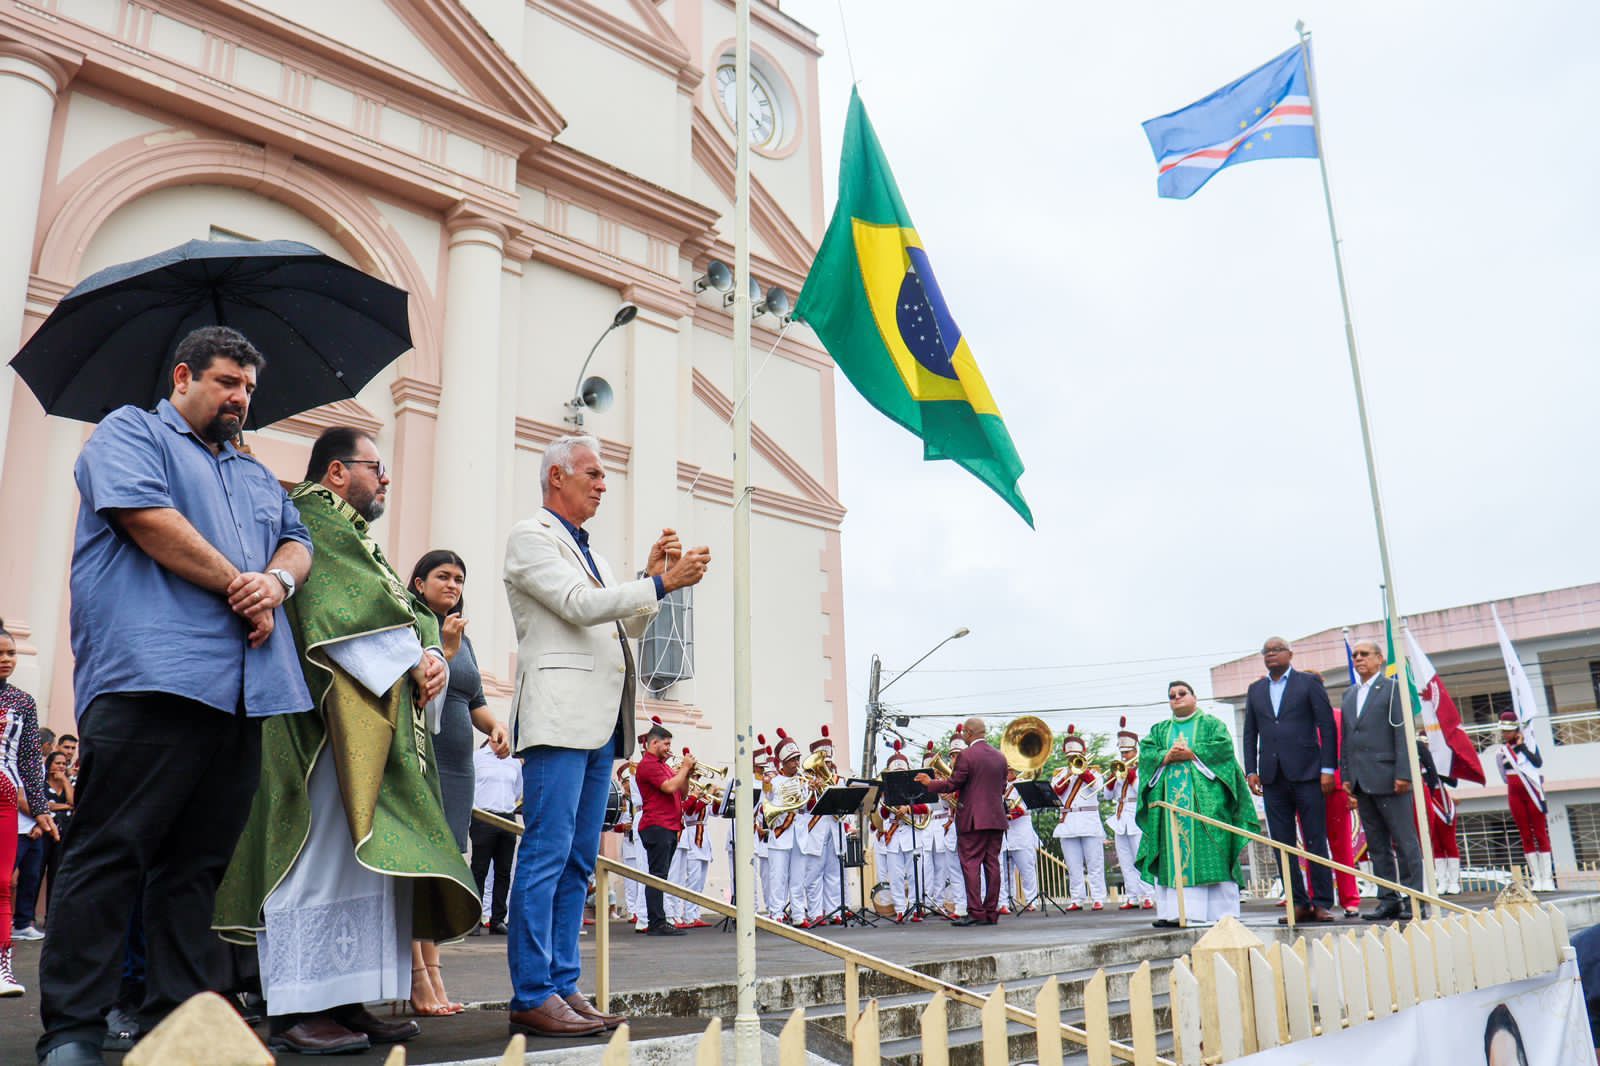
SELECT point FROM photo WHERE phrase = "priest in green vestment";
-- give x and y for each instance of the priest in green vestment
(1188, 761)
(347, 855)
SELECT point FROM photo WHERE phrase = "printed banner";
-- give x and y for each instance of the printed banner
(1538, 1022)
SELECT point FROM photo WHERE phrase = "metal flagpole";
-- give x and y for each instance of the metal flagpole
(746, 1023)
(1390, 612)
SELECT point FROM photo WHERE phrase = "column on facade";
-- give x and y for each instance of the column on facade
(656, 353)
(468, 444)
(30, 81)
(496, 659)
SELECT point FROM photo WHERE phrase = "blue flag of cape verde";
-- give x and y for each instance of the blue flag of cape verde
(1264, 115)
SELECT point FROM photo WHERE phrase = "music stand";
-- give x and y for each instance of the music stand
(839, 802)
(900, 789)
(728, 811)
(1039, 796)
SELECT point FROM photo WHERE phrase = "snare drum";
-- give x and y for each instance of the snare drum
(613, 807)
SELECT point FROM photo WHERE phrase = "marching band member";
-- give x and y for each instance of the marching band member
(1521, 768)
(632, 847)
(784, 850)
(765, 768)
(822, 880)
(942, 879)
(1080, 831)
(1441, 823)
(922, 854)
(893, 833)
(1021, 850)
(692, 861)
(1123, 792)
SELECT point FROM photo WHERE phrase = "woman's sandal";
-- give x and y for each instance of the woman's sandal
(437, 981)
(435, 1011)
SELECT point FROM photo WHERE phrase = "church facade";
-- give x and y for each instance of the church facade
(522, 168)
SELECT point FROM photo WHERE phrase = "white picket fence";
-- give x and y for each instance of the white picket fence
(1234, 995)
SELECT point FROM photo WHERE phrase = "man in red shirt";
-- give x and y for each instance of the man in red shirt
(662, 790)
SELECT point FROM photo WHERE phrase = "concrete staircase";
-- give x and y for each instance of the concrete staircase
(1021, 972)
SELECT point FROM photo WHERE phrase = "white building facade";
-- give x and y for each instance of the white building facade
(1557, 638)
(521, 167)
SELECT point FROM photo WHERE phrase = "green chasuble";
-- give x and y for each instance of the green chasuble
(1210, 855)
(381, 746)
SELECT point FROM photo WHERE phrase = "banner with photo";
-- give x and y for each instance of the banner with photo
(1538, 1022)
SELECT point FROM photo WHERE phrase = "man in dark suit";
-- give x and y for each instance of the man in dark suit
(1290, 752)
(980, 776)
(1377, 772)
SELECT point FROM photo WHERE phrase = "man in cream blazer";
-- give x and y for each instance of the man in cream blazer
(571, 716)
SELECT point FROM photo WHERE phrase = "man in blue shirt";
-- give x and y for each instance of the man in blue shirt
(185, 550)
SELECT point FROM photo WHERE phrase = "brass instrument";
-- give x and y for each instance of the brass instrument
(1117, 770)
(941, 769)
(789, 795)
(1026, 744)
(818, 768)
(708, 782)
(920, 822)
(1076, 763)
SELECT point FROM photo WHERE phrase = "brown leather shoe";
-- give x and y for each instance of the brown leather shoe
(1318, 914)
(318, 1035)
(379, 1030)
(583, 1008)
(1303, 912)
(553, 1018)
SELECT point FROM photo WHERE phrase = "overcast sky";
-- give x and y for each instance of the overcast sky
(1174, 372)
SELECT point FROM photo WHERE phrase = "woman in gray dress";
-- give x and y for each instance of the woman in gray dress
(438, 578)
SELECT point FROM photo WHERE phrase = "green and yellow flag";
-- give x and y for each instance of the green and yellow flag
(872, 299)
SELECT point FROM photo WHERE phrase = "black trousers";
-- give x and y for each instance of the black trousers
(659, 844)
(490, 843)
(1288, 801)
(1391, 824)
(164, 791)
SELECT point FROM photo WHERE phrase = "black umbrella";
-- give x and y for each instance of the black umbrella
(325, 328)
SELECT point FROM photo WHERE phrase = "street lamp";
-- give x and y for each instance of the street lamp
(595, 393)
(875, 690)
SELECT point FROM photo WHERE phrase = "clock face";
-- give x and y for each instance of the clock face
(763, 111)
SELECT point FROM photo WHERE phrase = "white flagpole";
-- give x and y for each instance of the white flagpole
(1390, 611)
(746, 1023)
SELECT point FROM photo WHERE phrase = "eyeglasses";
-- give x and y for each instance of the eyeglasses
(382, 470)
(1176, 695)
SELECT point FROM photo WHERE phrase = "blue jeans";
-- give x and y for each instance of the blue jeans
(564, 793)
(30, 871)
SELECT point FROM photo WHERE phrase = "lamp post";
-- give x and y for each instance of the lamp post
(596, 392)
(875, 689)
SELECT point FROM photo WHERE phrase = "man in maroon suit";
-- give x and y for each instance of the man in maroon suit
(980, 776)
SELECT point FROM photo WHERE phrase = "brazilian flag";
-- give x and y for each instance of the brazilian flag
(872, 299)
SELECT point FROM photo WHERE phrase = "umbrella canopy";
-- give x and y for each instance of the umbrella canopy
(325, 328)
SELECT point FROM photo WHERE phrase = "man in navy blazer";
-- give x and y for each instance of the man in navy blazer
(1290, 751)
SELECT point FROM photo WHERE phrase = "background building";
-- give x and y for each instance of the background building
(521, 167)
(1557, 637)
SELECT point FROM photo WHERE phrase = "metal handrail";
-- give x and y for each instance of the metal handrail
(1284, 851)
(853, 960)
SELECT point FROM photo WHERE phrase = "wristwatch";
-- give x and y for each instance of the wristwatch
(286, 579)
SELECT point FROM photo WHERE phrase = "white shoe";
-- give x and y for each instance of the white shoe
(9, 985)
(26, 933)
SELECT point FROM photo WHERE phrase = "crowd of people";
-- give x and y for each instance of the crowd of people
(280, 742)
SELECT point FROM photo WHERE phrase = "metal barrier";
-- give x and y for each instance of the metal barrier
(1418, 897)
(853, 962)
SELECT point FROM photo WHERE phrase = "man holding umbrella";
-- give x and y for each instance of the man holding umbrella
(185, 550)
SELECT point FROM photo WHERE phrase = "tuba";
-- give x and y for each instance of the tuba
(1026, 745)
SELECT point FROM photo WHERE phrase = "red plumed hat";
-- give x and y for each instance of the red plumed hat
(823, 742)
(1124, 733)
(1073, 739)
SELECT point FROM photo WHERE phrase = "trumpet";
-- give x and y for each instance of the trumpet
(1076, 764)
(708, 782)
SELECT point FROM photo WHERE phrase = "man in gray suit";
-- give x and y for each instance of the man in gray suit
(1377, 773)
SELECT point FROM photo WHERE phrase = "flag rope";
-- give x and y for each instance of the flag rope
(1391, 613)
